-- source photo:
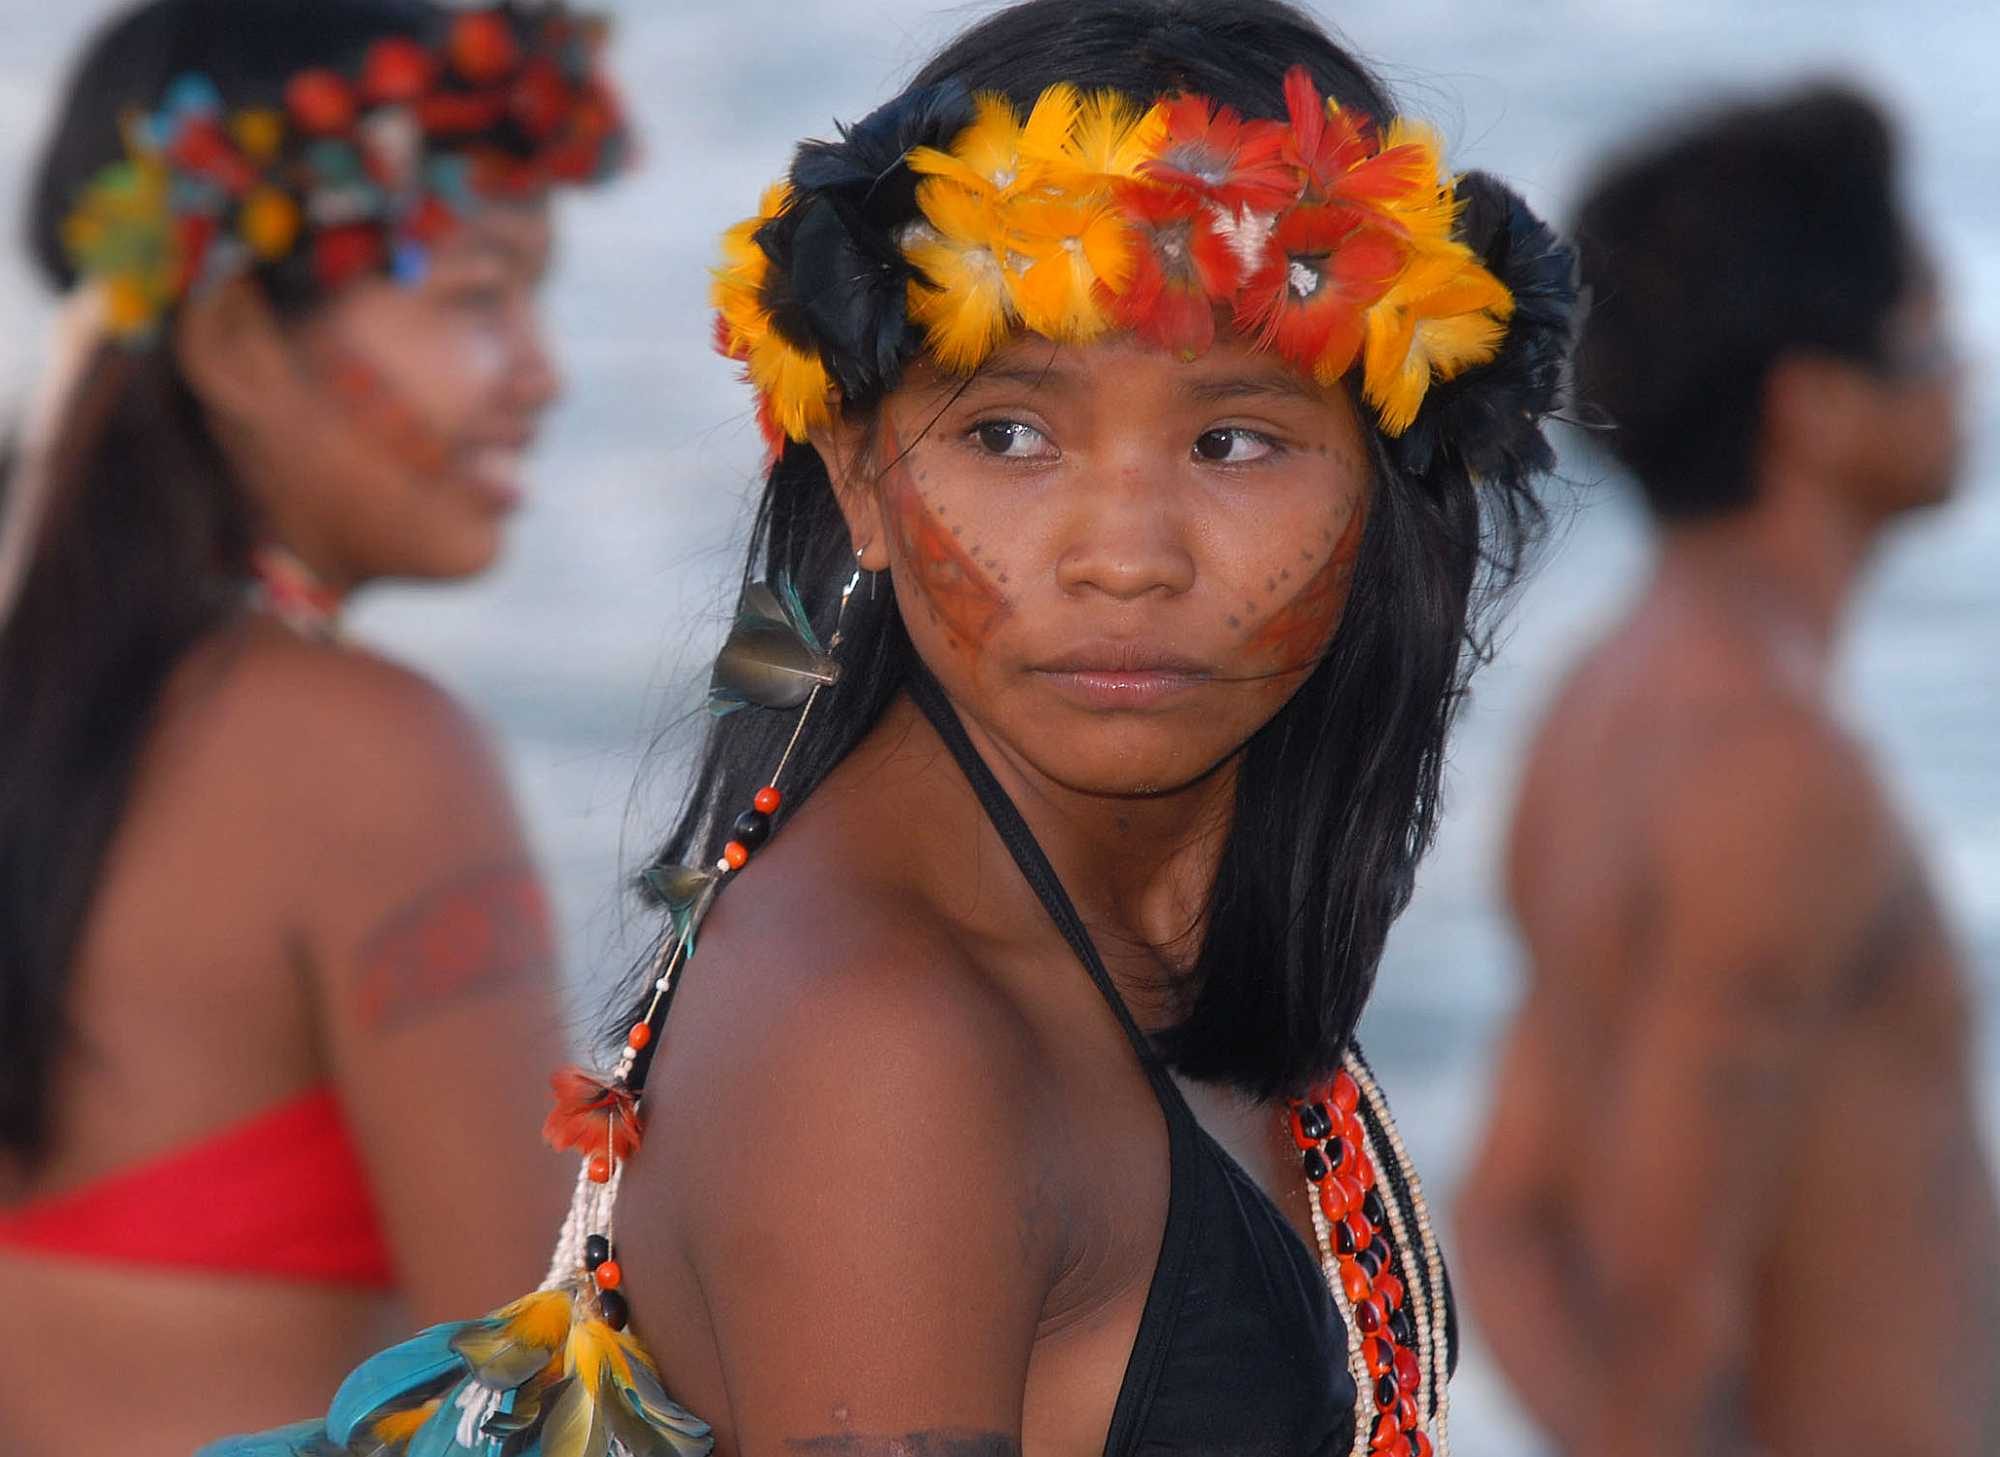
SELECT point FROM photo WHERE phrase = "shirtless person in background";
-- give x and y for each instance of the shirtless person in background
(1733, 1198)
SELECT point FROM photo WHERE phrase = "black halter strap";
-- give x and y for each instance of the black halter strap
(1035, 868)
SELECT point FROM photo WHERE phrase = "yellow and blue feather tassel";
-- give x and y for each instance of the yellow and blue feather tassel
(542, 1377)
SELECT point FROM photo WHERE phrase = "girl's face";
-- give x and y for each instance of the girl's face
(1121, 565)
(397, 448)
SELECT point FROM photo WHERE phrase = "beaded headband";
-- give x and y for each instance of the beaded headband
(354, 173)
(1321, 238)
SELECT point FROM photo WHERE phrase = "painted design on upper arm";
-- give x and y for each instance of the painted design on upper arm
(1296, 634)
(941, 1442)
(468, 936)
(962, 598)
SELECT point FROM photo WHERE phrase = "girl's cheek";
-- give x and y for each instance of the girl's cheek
(959, 594)
(380, 409)
(1292, 637)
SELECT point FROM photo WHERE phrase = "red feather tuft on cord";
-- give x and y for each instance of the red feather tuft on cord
(592, 1116)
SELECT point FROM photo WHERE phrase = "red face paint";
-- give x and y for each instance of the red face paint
(962, 598)
(379, 412)
(1296, 634)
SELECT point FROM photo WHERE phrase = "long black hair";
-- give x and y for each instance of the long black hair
(147, 526)
(1337, 796)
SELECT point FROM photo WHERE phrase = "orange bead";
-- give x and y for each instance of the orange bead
(600, 1168)
(1398, 1445)
(1380, 1355)
(609, 1275)
(768, 799)
(1358, 1226)
(1407, 1374)
(735, 855)
(1420, 1445)
(1390, 1289)
(639, 1036)
(1369, 1316)
(1346, 1092)
(1354, 1280)
(1364, 1170)
(1407, 1415)
(1386, 1430)
(1350, 1188)
(1333, 1200)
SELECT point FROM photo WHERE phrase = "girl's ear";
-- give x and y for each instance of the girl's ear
(844, 449)
(232, 351)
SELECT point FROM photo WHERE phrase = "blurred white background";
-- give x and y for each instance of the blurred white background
(595, 634)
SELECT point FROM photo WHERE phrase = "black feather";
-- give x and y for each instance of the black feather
(866, 166)
(846, 282)
(1490, 418)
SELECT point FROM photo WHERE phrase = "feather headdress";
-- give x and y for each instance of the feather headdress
(947, 223)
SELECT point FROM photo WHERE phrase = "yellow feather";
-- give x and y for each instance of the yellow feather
(986, 156)
(593, 1350)
(797, 384)
(966, 316)
(399, 1427)
(1069, 245)
(1444, 315)
(541, 1320)
(1109, 137)
(736, 286)
(1048, 134)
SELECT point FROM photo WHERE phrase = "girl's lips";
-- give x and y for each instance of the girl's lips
(1123, 674)
(494, 473)
(1123, 687)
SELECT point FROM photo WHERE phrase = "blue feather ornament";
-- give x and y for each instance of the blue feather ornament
(772, 658)
(542, 1377)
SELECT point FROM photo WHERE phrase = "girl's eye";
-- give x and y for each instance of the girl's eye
(1011, 439)
(1233, 446)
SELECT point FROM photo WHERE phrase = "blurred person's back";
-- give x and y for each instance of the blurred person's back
(1733, 1196)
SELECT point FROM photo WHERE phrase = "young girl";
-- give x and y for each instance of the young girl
(1145, 403)
(271, 945)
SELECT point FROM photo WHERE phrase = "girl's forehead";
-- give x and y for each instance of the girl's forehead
(1234, 366)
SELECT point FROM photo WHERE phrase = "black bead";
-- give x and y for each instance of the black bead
(1343, 1237)
(1336, 1154)
(1370, 1263)
(1380, 1249)
(596, 1250)
(614, 1309)
(1315, 1165)
(1317, 1123)
(752, 828)
(1399, 1327)
(1372, 1210)
(1386, 1392)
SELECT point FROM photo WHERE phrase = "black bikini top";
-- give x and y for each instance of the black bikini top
(1241, 1351)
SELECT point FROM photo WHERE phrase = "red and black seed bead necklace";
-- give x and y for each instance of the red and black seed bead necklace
(1396, 1340)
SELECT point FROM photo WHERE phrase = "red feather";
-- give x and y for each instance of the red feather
(592, 1116)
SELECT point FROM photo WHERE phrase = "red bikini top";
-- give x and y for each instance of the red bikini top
(281, 1195)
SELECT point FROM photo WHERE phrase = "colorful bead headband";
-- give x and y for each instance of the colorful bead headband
(1319, 237)
(357, 173)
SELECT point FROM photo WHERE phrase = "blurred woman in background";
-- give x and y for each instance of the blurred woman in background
(269, 934)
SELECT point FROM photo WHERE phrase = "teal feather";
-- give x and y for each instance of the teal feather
(394, 1376)
(301, 1439)
(438, 1437)
(771, 658)
(795, 610)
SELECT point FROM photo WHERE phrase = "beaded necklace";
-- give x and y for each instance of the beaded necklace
(286, 588)
(1397, 1349)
